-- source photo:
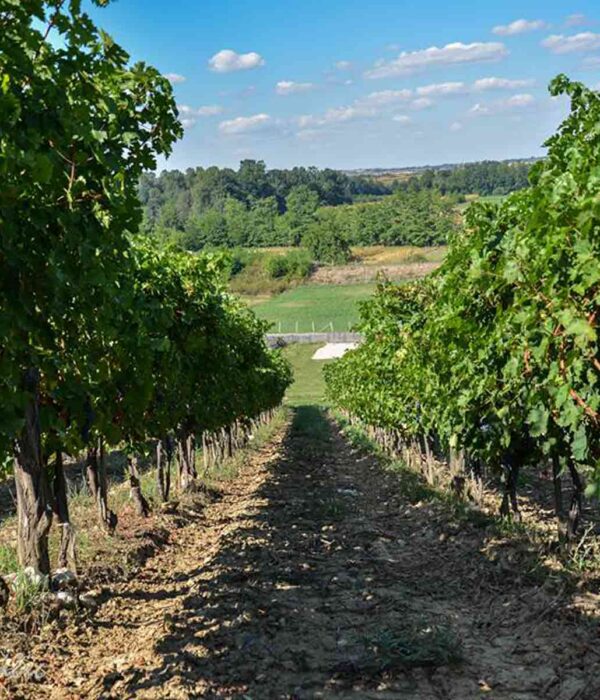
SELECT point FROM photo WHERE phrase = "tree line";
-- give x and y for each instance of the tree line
(492, 364)
(488, 177)
(256, 207)
(108, 339)
(404, 218)
(172, 199)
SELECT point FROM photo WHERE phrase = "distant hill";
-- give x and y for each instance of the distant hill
(416, 169)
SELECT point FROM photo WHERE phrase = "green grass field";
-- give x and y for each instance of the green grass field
(314, 307)
(308, 388)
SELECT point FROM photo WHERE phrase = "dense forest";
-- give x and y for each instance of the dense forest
(254, 207)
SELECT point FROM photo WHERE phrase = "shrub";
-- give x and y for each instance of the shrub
(297, 264)
(326, 242)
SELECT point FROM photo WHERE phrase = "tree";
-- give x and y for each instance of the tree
(301, 205)
(237, 221)
(263, 215)
(325, 241)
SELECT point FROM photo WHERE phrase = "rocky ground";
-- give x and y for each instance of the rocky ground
(317, 573)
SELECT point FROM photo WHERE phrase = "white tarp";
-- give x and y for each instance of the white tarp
(333, 350)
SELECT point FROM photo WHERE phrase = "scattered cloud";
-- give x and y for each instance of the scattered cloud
(343, 65)
(478, 110)
(522, 100)
(227, 61)
(189, 115)
(584, 41)
(460, 88)
(365, 107)
(289, 87)
(384, 97)
(441, 89)
(308, 134)
(403, 119)
(519, 26)
(421, 103)
(344, 114)
(501, 84)
(456, 53)
(576, 20)
(175, 78)
(243, 125)
(456, 126)
(518, 101)
(209, 110)
(205, 111)
(591, 62)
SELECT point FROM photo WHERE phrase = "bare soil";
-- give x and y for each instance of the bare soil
(319, 573)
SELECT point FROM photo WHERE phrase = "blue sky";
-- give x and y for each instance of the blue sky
(348, 84)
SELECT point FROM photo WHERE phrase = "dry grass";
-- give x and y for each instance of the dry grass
(398, 255)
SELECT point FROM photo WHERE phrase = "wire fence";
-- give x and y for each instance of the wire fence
(304, 326)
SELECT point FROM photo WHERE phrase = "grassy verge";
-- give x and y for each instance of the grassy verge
(309, 384)
(311, 308)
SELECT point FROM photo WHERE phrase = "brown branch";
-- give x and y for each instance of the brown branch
(588, 410)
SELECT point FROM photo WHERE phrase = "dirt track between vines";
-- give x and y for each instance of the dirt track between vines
(294, 582)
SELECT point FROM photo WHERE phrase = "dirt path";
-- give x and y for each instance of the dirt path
(319, 574)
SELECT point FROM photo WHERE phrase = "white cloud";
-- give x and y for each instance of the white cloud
(226, 61)
(585, 41)
(421, 103)
(456, 126)
(521, 100)
(306, 120)
(365, 107)
(414, 61)
(519, 26)
(187, 122)
(384, 97)
(500, 84)
(344, 114)
(242, 125)
(518, 101)
(205, 111)
(343, 65)
(175, 78)
(479, 110)
(575, 20)
(441, 89)
(308, 134)
(591, 62)
(289, 87)
(403, 119)
(209, 110)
